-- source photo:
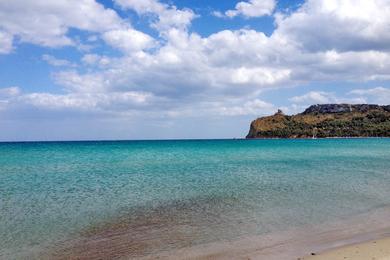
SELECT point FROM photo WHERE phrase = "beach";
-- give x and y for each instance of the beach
(376, 249)
(192, 199)
(365, 236)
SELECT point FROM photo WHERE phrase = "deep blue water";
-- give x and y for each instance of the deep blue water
(50, 191)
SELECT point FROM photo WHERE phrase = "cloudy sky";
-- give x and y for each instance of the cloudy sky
(157, 69)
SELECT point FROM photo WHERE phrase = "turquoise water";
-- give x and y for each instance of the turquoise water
(53, 191)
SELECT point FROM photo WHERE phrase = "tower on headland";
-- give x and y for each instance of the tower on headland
(279, 112)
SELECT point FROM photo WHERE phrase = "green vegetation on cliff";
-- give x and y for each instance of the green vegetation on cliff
(330, 120)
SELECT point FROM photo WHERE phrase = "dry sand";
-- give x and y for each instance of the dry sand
(373, 250)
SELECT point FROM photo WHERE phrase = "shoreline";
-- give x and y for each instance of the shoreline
(303, 243)
(295, 243)
(311, 138)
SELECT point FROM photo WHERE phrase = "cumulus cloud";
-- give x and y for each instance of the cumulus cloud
(323, 97)
(128, 40)
(87, 101)
(341, 25)
(316, 97)
(5, 42)
(9, 92)
(218, 14)
(57, 62)
(95, 60)
(72, 81)
(379, 95)
(47, 22)
(251, 8)
(187, 66)
(351, 65)
(7, 95)
(253, 107)
(225, 73)
(164, 16)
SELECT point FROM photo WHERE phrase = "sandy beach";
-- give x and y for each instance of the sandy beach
(376, 249)
(366, 236)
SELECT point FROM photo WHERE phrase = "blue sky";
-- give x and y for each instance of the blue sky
(157, 69)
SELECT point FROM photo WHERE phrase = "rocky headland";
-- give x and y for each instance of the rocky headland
(327, 120)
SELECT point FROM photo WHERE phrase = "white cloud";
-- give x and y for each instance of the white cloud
(128, 40)
(314, 97)
(323, 97)
(88, 83)
(342, 25)
(6, 96)
(258, 76)
(5, 42)
(378, 95)
(90, 59)
(95, 59)
(47, 22)
(218, 14)
(57, 62)
(9, 92)
(253, 107)
(113, 102)
(166, 16)
(142, 7)
(329, 66)
(227, 63)
(252, 8)
(104, 102)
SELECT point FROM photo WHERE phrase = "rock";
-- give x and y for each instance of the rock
(343, 108)
(327, 120)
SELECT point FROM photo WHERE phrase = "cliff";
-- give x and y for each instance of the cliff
(330, 120)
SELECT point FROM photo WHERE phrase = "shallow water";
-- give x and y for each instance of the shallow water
(191, 192)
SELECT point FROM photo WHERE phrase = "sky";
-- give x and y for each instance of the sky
(178, 69)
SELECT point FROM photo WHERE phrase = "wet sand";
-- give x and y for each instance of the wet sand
(175, 233)
(295, 243)
(149, 231)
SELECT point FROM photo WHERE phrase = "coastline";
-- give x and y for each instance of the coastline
(310, 242)
(310, 138)
(295, 243)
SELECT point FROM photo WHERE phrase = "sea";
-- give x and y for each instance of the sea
(138, 198)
